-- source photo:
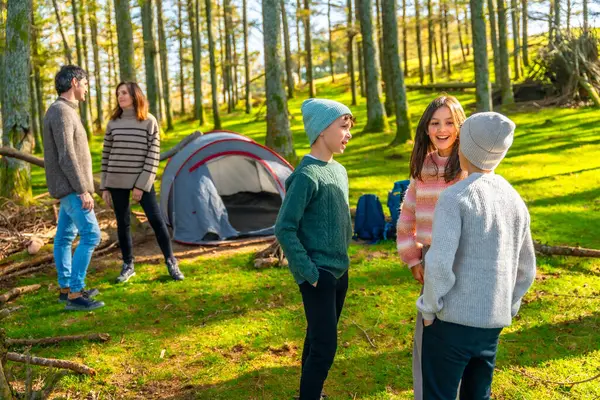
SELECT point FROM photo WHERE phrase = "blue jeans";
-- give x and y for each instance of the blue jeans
(73, 219)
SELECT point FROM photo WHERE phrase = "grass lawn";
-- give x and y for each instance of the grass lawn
(232, 332)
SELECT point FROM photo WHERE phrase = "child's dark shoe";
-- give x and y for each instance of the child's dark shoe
(127, 271)
(173, 267)
(83, 303)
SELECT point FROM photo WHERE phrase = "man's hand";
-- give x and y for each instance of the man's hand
(315, 284)
(427, 322)
(418, 272)
(87, 201)
(137, 194)
(107, 198)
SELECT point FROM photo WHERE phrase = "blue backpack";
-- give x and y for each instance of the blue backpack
(394, 201)
(369, 221)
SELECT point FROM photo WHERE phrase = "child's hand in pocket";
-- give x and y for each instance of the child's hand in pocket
(418, 272)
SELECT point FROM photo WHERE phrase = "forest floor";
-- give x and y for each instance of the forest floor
(230, 331)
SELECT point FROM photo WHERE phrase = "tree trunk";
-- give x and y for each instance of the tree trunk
(229, 53)
(235, 66)
(515, 28)
(2, 71)
(15, 175)
(460, 35)
(419, 43)
(329, 41)
(568, 16)
(181, 61)
(557, 34)
(157, 68)
(483, 89)
(551, 22)
(376, 118)
(194, 21)
(288, 53)
(66, 47)
(5, 391)
(93, 15)
(87, 121)
(80, 61)
(505, 83)
(279, 136)
(386, 76)
(442, 39)
(359, 52)
(298, 38)
(213, 66)
(390, 27)
(435, 47)
(124, 40)
(431, 38)
(162, 43)
(586, 25)
(524, 46)
(149, 56)
(36, 84)
(468, 35)
(350, 50)
(404, 38)
(224, 77)
(112, 70)
(248, 95)
(447, 32)
(35, 122)
(494, 35)
(308, 48)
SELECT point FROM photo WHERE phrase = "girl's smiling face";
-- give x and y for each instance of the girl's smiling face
(442, 131)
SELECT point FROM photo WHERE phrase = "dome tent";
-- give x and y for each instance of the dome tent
(222, 186)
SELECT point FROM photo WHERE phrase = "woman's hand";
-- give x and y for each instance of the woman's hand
(107, 198)
(137, 194)
(418, 272)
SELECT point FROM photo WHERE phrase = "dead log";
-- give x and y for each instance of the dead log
(272, 256)
(565, 250)
(5, 312)
(11, 294)
(102, 337)
(50, 362)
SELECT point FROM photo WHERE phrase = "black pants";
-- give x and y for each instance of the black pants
(322, 306)
(120, 199)
(452, 352)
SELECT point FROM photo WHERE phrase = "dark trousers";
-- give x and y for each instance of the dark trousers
(452, 352)
(322, 306)
(120, 199)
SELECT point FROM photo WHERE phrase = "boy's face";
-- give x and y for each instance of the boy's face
(464, 163)
(337, 135)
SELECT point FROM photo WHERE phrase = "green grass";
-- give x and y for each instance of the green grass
(232, 332)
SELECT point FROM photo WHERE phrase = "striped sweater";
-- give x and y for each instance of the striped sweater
(413, 230)
(131, 153)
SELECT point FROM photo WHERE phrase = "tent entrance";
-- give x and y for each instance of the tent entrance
(252, 211)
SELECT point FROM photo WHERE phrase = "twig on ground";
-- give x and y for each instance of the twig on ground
(366, 334)
(102, 337)
(535, 378)
(51, 362)
(11, 294)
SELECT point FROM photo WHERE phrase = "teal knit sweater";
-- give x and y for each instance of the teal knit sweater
(314, 226)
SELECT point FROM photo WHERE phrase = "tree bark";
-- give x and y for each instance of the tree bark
(419, 43)
(83, 105)
(586, 26)
(525, 37)
(390, 27)
(84, 41)
(404, 38)
(298, 38)
(494, 36)
(460, 35)
(329, 41)
(568, 16)
(112, 67)
(229, 53)
(308, 48)
(359, 47)
(66, 47)
(384, 63)
(447, 32)
(15, 176)
(125, 40)
(505, 83)
(213, 66)
(442, 39)
(194, 21)
(279, 136)
(430, 39)
(51, 362)
(164, 65)
(224, 77)
(467, 26)
(181, 60)
(5, 391)
(516, 48)
(288, 53)
(557, 34)
(34, 81)
(93, 15)
(483, 90)
(376, 118)
(350, 50)
(150, 56)
(248, 95)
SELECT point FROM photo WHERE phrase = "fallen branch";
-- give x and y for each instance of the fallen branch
(366, 334)
(11, 294)
(5, 312)
(14, 153)
(552, 382)
(102, 337)
(565, 250)
(50, 362)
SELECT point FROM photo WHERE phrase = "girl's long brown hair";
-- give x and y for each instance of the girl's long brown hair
(140, 103)
(424, 146)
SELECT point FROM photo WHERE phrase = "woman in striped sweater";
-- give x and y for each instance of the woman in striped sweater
(434, 165)
(129, 162)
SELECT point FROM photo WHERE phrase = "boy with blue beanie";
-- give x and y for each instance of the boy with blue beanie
(314, 229)
(480, 264)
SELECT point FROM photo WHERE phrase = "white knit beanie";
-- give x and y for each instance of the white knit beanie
(485, 138)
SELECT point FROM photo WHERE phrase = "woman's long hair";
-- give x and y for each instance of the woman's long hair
(423, 144)
(140, 103)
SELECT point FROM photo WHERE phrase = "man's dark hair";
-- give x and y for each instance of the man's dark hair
(64, 77)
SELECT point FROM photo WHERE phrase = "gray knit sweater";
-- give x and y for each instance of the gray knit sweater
(67, 158)
(131, 153)
(481, 261)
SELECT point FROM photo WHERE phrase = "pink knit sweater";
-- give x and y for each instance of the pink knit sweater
(413, 230)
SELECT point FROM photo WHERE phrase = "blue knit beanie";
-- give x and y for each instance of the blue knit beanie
(318, 114)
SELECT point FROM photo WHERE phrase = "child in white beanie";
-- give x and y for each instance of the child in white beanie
(480, 264)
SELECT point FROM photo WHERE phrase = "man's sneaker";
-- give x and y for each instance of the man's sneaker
(63, 297)
(173, 267)
(126, 273)
(83, 303)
